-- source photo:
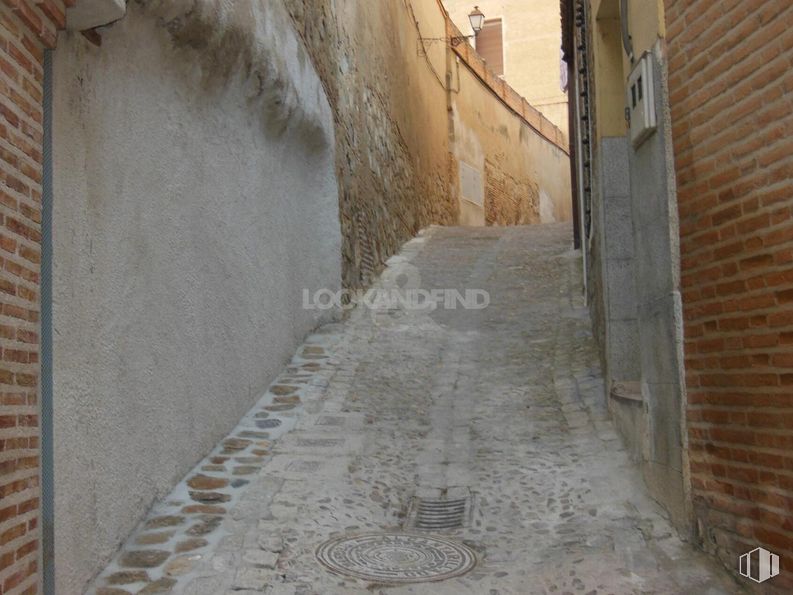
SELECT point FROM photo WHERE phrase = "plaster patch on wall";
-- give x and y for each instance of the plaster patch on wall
(471, 188)
(546, 208)
(467, 149)
(466, 145)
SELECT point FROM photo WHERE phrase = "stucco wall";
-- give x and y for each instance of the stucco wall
(524, 178)
(195, 196)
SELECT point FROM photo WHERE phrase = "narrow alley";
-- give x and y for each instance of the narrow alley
(310, 297)
(498, 411)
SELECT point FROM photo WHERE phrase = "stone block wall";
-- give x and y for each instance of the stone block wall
(509, 201)
(26, 29)
(730, 86)
(389, 103)
(404, 125)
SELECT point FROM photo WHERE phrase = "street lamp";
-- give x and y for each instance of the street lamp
(477, 19)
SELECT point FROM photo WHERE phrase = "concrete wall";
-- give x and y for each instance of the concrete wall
(195, 198)
(532, 39)
(504, 145)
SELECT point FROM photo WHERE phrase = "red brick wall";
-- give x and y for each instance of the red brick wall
(731, 95)
(26, 28)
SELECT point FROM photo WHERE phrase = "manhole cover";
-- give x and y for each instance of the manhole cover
(396, 557)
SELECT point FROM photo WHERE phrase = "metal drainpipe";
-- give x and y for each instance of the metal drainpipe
(572, 115)
(578, 63)
(590, 142)
(580, 178)
(46, 421)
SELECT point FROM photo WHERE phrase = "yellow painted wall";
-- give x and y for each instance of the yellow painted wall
(399, 148)
(532, 39)
(609, 75)
(506, 153)
(646, 21)
(612, 66)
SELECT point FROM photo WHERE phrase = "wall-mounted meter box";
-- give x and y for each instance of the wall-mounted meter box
(640, 96)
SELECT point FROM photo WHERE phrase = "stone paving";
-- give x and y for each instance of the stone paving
(503, 406)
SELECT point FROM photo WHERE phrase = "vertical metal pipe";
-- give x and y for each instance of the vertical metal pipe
(584, 106)
(46, 422)
(580, 175)
(572, 146)
(587, 110)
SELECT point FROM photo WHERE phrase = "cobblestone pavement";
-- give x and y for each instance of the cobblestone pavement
(504, 403)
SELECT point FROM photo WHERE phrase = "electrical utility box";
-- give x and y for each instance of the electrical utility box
(640, 96)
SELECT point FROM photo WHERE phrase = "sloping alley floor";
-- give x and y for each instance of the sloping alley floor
(500, 409)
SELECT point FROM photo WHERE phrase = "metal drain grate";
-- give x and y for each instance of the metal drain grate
(435, 514)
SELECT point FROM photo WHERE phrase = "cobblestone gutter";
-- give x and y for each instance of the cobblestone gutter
(163, 552)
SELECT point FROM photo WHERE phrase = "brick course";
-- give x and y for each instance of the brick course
(730, 86)
(26, 29)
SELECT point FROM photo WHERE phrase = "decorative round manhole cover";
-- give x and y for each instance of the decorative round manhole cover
(396, 557)
(268, 423)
